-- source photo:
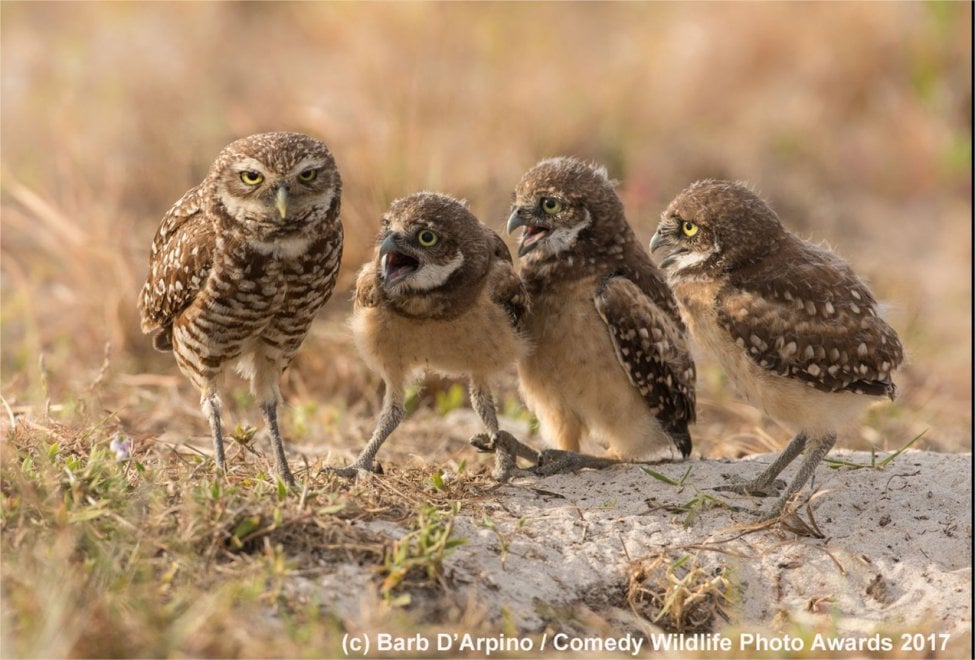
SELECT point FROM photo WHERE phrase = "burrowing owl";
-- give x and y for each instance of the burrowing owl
(609, 352)
(440, 295)
(241, 264)
(795, 329)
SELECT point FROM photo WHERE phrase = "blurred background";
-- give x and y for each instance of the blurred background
(853, 120)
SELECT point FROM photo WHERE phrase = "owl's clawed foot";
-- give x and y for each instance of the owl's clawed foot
(483, 442)
(557, 461)
(755, 489)
(358, 470)
(506, 449)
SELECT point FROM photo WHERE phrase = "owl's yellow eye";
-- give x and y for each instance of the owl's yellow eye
(689, 228)
(551, 206)
(427, 238)
(308, 176)
(251, 178)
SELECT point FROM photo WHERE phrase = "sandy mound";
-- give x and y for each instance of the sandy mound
(615, 547)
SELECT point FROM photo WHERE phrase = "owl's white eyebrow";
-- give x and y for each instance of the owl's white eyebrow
(249, 165)
(308, 163)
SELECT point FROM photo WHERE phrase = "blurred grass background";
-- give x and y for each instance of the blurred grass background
(853, 119)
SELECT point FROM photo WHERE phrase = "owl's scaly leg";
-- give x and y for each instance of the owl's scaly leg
(505, 446)
(765, 484)
(280, 460)
(820, 447)
(265, 373)
(210, 403)
(389, 418)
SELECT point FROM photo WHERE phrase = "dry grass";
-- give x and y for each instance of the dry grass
(678, 594)
(853, 120)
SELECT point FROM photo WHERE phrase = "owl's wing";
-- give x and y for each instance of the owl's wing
(815, 321)
(179, 263)
(654, 353)
(367, 292)
(507, 288)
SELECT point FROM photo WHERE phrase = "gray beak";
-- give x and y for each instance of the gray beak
(656, 241)
(515, 221)
(388, 245)
(281, 200)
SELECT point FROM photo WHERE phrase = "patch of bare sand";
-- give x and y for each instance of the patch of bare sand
(560, 551)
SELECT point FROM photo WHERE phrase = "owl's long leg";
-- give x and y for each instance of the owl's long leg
(210, 403)
(270, 409)
(820, 447)
(505, 446)
(389, 418)
(764, 485)
(265, 370)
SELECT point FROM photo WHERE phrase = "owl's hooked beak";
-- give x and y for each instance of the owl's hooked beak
(394, 264)
(281, 200)
(662, 240)
(656, 241)
(534, 231)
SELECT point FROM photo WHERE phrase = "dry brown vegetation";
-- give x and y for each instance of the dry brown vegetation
(853, 120)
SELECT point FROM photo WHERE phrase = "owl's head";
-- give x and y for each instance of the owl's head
(277, 185)
(566, 207)
(430, 245)
(715, 226)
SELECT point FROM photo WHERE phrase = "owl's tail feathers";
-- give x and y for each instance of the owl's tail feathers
(678, 432)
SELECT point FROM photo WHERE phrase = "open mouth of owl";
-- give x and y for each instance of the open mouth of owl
(533, 234)
(397, 266)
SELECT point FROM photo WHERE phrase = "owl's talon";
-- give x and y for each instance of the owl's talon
(483, 443)
(354, 471)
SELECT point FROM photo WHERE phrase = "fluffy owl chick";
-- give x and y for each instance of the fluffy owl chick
(241, 264)
(441, 295)
(794, 328)
(609, 358)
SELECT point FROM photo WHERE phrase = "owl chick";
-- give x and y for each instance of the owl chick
(441, 295)
(241, 264)
(794, 328)
(609, 358)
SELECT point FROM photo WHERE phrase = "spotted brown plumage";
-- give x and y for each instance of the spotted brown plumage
(240, 266)
(798, 333)
(440, 295)
(609, 359)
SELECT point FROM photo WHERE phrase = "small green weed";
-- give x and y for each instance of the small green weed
(835, 463)
(417, 558)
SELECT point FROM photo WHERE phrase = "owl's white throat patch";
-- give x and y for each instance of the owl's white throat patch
(283, 248)
(680, 262)
(563, 238)
(431, 276)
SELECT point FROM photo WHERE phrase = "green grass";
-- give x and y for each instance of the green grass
(157, 557)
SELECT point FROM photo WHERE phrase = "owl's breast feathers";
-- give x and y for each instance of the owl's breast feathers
(182, 264)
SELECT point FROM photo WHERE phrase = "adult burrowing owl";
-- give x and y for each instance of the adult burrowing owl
(796, 330)
(241, 264)
(609, 352)
(440, 295)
